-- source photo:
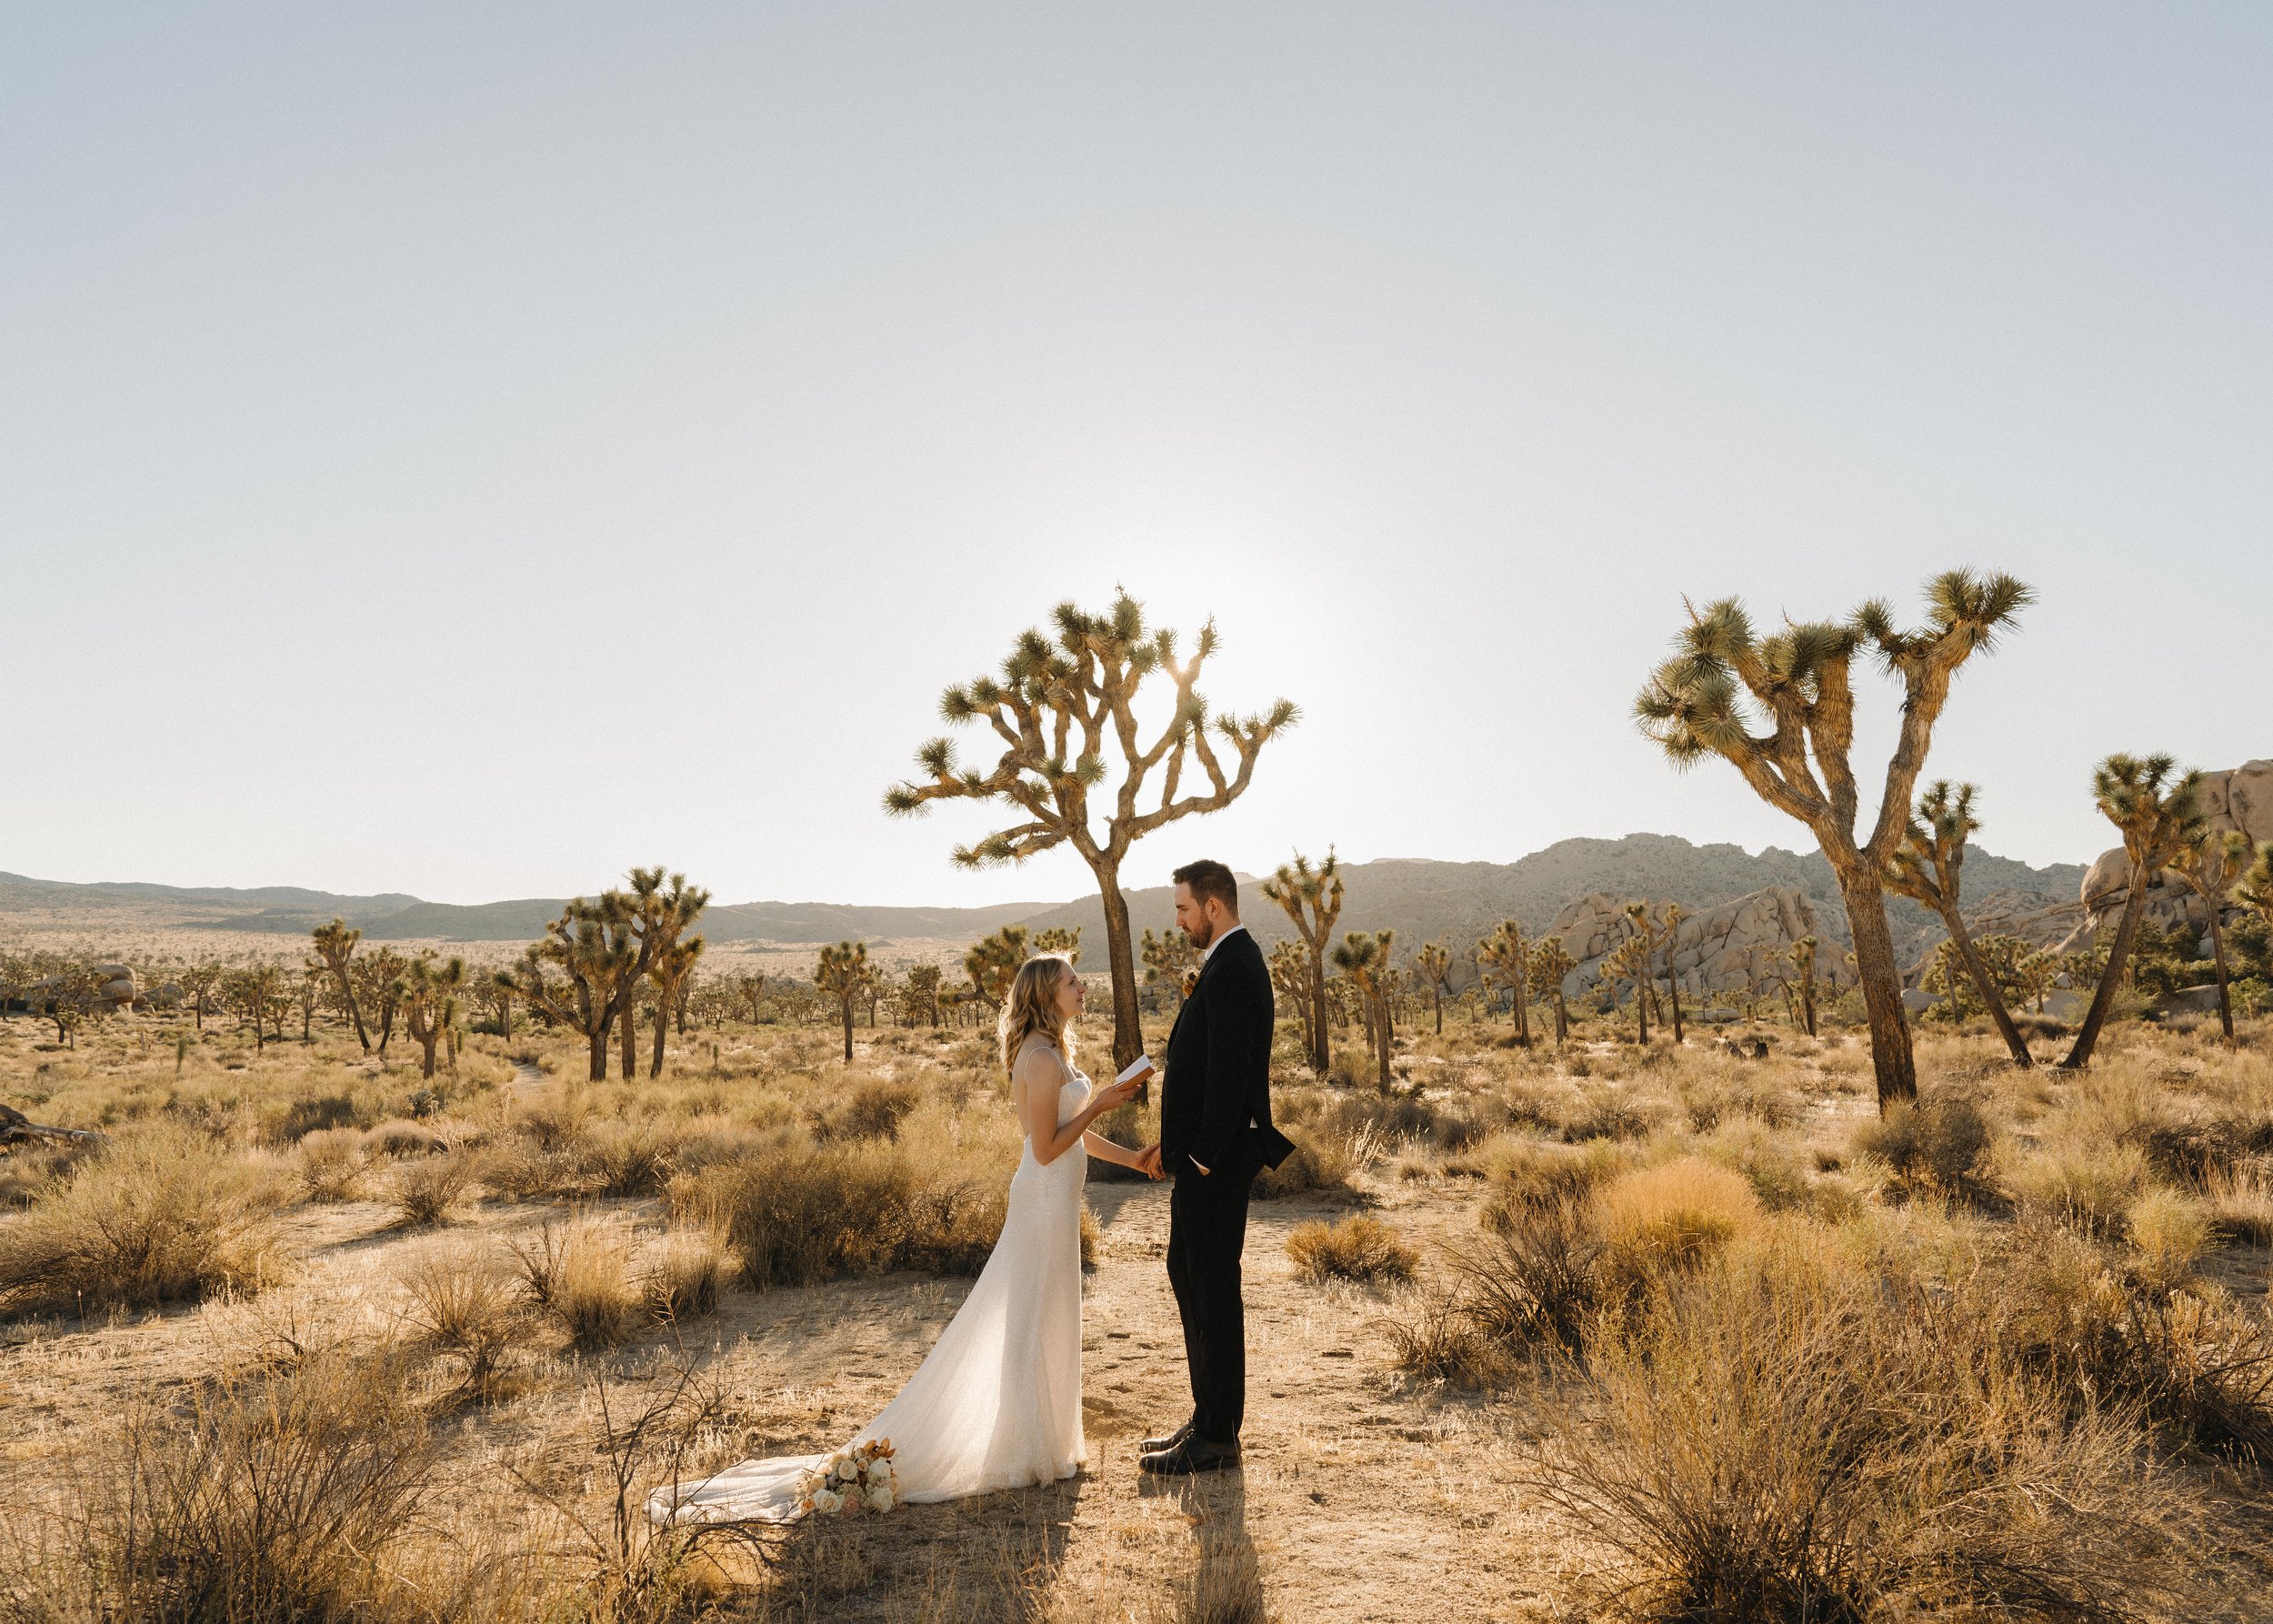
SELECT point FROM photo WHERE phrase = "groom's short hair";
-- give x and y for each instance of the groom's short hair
(1208, 879)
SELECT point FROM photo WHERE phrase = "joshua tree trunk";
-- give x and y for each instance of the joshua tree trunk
(1673, 991)
(1120, 957)
(1991, 998)
(1641, 1004)
(662, 1031)
(1891, 1057)
(1383, 1031)
(1437, 998)
(598, 1070)
(2218, 952)
(2103, 999)
(846, 1004)
(629, 1063)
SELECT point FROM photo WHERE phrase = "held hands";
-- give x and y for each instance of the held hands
(1148, 1162)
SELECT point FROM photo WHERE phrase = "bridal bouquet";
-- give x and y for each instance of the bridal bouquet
(855, 1479)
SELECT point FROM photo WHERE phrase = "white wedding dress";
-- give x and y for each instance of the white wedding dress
(997, 1402)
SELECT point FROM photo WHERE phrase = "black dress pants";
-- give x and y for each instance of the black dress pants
(1207, 1230)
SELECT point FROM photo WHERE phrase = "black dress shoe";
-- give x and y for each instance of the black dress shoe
(1155, 1446)
(1195, 1454)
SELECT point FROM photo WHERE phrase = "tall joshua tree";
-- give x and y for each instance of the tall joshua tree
(1433, 961)
(2159, 817)
(335, 946)
(1645, 961)
(1704, 700)
(1671, 921)
(1504, 955)
(1290, 978)
(1170, 956)
(674, 968)
(431, 985)
(1801, 956)
(993, 961)
(1927, 867)
(843, 973)
(2211, 864)
(1365, 959)
(1060, 708)
(1550, 962)
(656, 912)
(1061, 941)
(1312, 895)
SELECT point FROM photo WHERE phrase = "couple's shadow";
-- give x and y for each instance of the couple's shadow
(1226, 1581)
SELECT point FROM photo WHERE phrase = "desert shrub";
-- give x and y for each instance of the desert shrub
(795, 1214)
(306, 1115)
(1534, 1283)
(1767, 1160)
(2241, 1204)
(463, 1304)
(1357, 1248)
(272, 1503)
(1935, 1144)
(425, 1190)
(1714, 1098)
(1785, 1438)
(2170, 1232)
(330, 1164)
(2193, 1152)
(1530, 1174)
(2087, 1186)
(401, 1137)
(872, 1110)
(682, 1273)
(30, 1172)
(1351, 1069)
(626, 1158)
(1321, 1162)
(151, 1220)
(2195, 1366)
(523, 1170)
(1434, 1338)
(1672, 1218)
(578, 1274)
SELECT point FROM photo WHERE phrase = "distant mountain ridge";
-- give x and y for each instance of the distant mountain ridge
(1419, 898)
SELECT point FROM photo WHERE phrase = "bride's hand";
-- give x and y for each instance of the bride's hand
(1114, 1096)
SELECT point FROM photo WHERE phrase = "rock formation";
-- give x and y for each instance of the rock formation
(1718, 949)
(2238, 798)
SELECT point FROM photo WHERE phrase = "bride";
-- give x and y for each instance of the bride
(997, 1403)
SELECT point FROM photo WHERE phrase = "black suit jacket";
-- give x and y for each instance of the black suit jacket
(1218, 1064)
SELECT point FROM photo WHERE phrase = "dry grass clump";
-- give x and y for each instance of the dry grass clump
(1357, 1248)
(1528, 1174)
(423, 1191)
(1533, 1287)
(578, 1274)
(873, 1109)
(273, 1502)
(2089, 1186)
(155, 1219)
(2241, 1203)
(463, 1304)
(1322, 1163)
(1787, 1437)
(683, 1274)
(1934, 1145)
(402, 1137)
(330, 1165)
(2170, 1231)
(1674, 1218)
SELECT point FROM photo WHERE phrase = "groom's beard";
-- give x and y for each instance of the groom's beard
(1200, 938)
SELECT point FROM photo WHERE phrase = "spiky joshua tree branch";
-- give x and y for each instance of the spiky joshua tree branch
(1065, 712)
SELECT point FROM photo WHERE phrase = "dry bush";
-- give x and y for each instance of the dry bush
(1608, 1113)
(1321, 1163)
(1530, 1175)
(403, 1138)
(2087, 1186)
(330, 1164)
(1434, 1338)
(523, 1170)
(1787, 1438)
(462, 1303)
(1672, 1218)
(31, 1172)
(1358, 1248)
(423, 1191)
(155, 1219)
(1939, 1145)
(627, 1158)
(871, 1110)
(273, 1502)
(578, 1274)
(2170, 1232)
(1535, 1284)
(1769, 1162)
(2241, 1203)
(682, 1275)
(289, 1121)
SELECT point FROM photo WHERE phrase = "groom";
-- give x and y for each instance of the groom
(1215, 1133)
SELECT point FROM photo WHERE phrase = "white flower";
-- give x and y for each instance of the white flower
(879, 1499)
(879, 1471)
(826, 1503)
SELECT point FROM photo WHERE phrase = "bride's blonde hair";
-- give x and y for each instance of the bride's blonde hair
(1032, 1006)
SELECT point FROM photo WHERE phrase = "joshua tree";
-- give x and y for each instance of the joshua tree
(200, 983)
(2211, 863)
(672, 972)
(1672, 919)
(1645, 928)
(1504, 955)
(1632, 958)
(604, 950)
(2254, 889)
(993, 961)
(1365, 959)
(1060, 709)
(1702, 701)
(2159, 817)
(1169, 957)
(495, 994)
(335, 946)
(1312, 897)
(843, 973)
(1550, 962)
(309, 990)
(746, 991)
(923, 993)
(1290, 978)
(1433, 962)
(430, 1004)
(656, 915)
(1062, 941)
(1802, 957)
(256, 995)
(1927, 867)
(2035, 974)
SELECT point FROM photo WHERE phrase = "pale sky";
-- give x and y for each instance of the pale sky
(469, 450)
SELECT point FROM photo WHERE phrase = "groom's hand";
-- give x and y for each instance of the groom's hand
(1149, 1161)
